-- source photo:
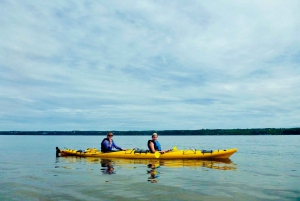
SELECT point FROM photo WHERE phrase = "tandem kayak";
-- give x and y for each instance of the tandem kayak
(145, 154)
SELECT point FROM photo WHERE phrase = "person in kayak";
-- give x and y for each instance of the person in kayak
(108, 144)
(154, 145)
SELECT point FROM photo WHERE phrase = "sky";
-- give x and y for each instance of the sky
(149, 65)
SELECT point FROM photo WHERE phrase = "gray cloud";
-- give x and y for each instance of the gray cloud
(143, 65)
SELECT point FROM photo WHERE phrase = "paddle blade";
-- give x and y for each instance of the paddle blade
(174, 148)
(157, 154)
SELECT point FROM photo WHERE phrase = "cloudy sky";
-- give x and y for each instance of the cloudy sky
(149, 65)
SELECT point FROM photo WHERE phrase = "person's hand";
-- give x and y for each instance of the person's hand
(123, 149)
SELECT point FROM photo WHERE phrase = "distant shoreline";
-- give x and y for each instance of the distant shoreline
(253, 131)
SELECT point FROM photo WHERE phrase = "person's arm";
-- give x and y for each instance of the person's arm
(151, 146)
(116, 146)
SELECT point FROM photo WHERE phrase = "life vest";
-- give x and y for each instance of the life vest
(157, 146)
(103, 148)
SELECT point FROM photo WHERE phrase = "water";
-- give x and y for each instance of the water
(264, 168)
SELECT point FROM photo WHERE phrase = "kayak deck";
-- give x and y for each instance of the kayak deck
(144, 154)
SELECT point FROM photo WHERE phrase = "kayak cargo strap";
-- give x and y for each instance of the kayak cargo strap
(140, 151)
(81, 151)
(137, 151)
(207, 151)
(189, 149)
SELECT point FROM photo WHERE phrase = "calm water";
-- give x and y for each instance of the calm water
(264, 168)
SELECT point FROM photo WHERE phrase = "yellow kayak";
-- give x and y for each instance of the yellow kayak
(145, 154)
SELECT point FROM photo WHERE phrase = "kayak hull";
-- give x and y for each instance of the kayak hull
(137, 154)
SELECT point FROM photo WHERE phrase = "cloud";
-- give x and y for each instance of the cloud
(149, 65)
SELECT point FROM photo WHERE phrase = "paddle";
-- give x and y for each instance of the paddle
(157, 154)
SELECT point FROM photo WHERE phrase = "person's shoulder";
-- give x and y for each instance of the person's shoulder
(150, 141)
(105, 139)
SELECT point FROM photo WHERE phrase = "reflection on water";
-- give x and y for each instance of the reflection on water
(152, 167)
(218, 164)
(153, 172)
(107, 166)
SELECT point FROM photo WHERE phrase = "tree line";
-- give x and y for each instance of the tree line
(252, 131)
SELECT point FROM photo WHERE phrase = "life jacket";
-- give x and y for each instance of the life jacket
(157, 146)
(103, 148)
